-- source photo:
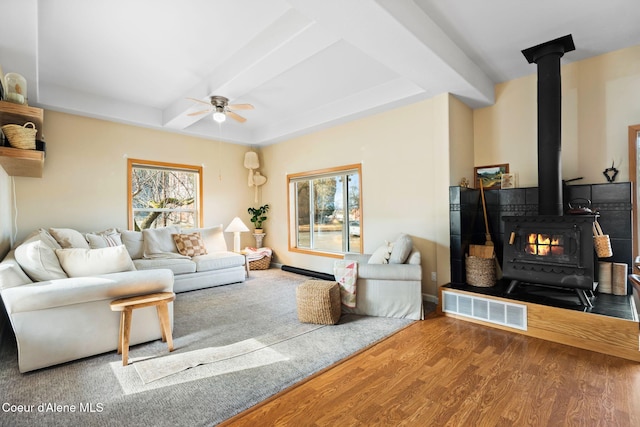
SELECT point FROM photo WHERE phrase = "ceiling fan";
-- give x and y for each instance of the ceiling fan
(221, 109)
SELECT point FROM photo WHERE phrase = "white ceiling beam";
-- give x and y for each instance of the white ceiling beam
(287, 42)
(400, 35)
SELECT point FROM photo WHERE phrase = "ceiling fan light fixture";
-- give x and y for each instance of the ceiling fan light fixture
(219, 116)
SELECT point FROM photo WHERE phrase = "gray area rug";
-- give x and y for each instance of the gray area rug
(235, 346)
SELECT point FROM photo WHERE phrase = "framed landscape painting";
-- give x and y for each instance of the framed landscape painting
(491, 176)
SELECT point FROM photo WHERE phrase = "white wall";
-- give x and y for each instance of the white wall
(84, 184)
(6, 204)
(405, 178)
(599, 103)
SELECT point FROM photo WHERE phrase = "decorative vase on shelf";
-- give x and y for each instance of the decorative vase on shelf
(16, 90)
(259, 231)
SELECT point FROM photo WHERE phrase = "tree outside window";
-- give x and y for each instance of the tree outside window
(326, 208)
(163, 194)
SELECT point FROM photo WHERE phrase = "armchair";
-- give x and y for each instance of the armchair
(388, 290)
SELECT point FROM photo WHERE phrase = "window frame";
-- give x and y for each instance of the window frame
(292, 207)
(152, 164)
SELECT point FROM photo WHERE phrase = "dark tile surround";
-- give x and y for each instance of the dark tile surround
(613, 201)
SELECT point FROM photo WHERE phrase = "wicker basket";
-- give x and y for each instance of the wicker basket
(601, 242)
(318, 301)
(260, 264)
(23, 137)
(481, 272)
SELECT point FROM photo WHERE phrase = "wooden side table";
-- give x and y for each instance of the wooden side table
(127, 305)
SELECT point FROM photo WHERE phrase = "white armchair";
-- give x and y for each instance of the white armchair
(388, 290)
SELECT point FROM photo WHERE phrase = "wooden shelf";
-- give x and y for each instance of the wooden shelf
(17, 162)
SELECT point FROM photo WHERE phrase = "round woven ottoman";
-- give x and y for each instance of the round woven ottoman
(318, 301)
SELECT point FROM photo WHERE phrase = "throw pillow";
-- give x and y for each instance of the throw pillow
(69, 238)
(134, 242)
(381, 255)
(158, 242)
(79, 262)
(39, 261)
(213, 238)
(401, 249)
(190, 244)
(104, 239)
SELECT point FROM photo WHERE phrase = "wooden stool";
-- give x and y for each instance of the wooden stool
(127, 305)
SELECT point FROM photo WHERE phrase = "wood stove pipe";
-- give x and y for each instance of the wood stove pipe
(547, 57)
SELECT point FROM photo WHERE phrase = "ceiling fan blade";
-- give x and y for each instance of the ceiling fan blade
(236, 116)
(200, 101)
(197, 113)
(240, 107)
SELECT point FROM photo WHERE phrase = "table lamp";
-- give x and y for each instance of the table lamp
(236, 227)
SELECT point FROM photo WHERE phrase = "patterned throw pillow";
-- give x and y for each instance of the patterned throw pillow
(190, 244)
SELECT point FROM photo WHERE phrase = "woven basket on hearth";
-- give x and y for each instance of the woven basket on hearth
(481, 272)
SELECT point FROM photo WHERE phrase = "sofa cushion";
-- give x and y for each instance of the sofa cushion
(190, 244)
(159, 243)
(78, 262)
(218, 261)
(177, 265)
(401, 249)
(104, 239)
(213, 238)
(69, 238)
(38, 259)
(134, 243)
(11, 274)
(381, 255)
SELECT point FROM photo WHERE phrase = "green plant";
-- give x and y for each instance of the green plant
(258, 215)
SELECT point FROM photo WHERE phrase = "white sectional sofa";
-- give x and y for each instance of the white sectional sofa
(57, 284)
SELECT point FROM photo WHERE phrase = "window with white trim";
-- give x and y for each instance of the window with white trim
(163, 194)
(325, 211)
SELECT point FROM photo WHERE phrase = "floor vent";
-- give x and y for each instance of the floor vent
(498, 312)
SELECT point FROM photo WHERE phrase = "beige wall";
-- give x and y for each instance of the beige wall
(84, 185)
(6, 203)
(599, 102)
(405, 179)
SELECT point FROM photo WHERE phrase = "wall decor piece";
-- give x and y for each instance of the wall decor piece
(508, 180)
(610, 173)
(491, 176)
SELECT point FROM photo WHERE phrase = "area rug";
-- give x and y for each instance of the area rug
(248, 334)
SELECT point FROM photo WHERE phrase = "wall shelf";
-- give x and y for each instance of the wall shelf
(17, 162)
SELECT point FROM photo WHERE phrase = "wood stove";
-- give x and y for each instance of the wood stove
(551, 250)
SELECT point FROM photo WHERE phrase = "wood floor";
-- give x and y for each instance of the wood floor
(444, 371)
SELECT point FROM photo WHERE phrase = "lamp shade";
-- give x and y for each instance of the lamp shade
(236, 225)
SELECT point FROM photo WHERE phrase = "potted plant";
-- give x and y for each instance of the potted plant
(258, 216)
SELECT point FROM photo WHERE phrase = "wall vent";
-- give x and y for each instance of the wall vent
(498, 312)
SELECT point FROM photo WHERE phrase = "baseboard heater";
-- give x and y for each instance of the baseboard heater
(310, 273)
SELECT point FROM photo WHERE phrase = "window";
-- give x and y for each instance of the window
(325, 215)
(162, 194)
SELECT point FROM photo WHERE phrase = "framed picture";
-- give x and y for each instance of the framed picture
(508, 180)
(491, 176)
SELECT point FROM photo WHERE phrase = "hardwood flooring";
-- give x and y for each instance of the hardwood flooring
(444, 371)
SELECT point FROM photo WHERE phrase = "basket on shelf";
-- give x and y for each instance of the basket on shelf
(260, 264)
(23, 137)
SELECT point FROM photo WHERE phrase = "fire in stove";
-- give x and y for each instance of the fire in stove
(544, 244)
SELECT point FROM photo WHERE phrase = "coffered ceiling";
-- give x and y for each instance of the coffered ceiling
(304, 65)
